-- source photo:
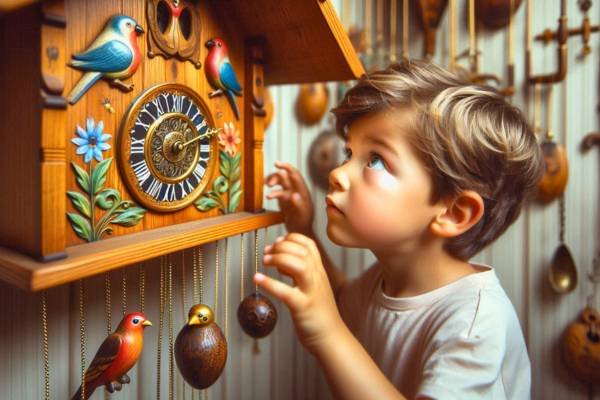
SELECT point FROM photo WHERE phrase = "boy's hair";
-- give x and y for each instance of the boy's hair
(467, 136)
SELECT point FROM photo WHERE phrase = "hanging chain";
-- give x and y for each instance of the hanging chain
(242, 267)
(201, 272)
(562, 218)
(46, 347)
(195, 297)
(183, 302)
(124, 292)
(161, 309)
(226, 302)
(142, 280)
(107, 303)
(170, 289)
(255, 257)
(216, 279)
(82, 334)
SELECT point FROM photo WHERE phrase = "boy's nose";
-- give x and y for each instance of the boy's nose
(338, 179)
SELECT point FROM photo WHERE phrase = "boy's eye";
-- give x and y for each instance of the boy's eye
(375, 162)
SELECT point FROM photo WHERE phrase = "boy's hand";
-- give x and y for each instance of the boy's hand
(310, 301)
(293, 197)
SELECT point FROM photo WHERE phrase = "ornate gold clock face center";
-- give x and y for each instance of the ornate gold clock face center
(171, 161)
(167, 149)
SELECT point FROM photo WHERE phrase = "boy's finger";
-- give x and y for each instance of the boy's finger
(289, 265)
(278, 289)
(305, 241)
(294, 176)
(288, 247)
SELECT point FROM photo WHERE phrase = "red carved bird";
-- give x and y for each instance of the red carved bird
(115, 357)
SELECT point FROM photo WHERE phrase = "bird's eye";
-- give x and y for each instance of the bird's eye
(136, 321)
(204, 319)
(128, 24)
(218, 44)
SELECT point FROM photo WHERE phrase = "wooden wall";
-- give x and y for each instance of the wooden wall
(282, 370)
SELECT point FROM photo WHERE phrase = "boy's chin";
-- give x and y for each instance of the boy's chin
(341, 237)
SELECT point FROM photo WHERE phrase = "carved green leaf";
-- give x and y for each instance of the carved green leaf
(83, 178)
(234, 201)
(99, 175)
(206, 203)
(235, 174)
(80, 202)
(235, 161)
(81, 226)
(129, 217)
(235, 187)
(107, 198)
(220, 185)
(225, 164)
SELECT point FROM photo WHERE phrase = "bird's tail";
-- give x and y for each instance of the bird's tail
(86, 82)
(231, 98)
(88, 393)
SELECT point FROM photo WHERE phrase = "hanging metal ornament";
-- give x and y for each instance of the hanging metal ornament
(256, 313)
(431, 13)
(174, 29)
(201, 348)
(496, 14)
(323, 157)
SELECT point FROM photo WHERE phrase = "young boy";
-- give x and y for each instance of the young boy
(436, 168)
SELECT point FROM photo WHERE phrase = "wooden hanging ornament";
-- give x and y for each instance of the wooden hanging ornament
(431, 13)
(174, 29)
(116, 356)
(581, 346)
(496, 14)
(201, 348)
(324, 157)
(256, 313)
(312, 102)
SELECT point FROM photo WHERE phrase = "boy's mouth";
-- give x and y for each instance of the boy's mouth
(331, 205)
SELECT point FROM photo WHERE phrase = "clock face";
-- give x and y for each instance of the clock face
(167, 147)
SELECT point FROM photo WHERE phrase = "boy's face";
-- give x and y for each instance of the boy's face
(380, 196)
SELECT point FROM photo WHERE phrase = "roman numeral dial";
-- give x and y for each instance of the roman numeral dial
(167, 147)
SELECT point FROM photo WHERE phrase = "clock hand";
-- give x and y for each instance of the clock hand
(209, 133)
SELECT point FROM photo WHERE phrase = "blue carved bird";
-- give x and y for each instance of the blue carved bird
(220, 73)
(113, 55)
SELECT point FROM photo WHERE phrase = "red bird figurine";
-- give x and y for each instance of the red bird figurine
(115, 357)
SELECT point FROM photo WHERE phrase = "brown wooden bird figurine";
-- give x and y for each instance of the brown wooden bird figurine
(116, 355)
(200, 348)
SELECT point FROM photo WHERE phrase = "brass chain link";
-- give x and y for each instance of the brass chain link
(82, 334)
(195, 297)
(562, 218)
(142, 287)
(183, 305)
(242, 267)
(108, 312)
(216, 280)
(226, 302)
(256, 257)
(201, 274)
(161, 310)
(124, 292)
(46, 347)
(170, 288)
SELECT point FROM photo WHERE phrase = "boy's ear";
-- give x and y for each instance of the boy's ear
(459, 215)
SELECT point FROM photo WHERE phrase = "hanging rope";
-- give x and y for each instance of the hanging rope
(255, 257)
(46, 347)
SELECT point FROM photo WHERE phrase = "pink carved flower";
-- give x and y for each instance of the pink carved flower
(229, 138)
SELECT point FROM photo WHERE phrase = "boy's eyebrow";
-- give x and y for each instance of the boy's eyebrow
(382, 142)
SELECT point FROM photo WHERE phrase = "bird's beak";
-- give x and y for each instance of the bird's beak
(139, 30)
(210, 43)
(193, 321)
(147, 323)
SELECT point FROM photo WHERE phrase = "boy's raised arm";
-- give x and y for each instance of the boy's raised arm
(297, 206)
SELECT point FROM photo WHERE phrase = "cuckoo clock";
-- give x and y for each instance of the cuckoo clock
(134, 129)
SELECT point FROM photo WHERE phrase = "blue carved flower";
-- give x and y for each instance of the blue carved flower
(91, 141)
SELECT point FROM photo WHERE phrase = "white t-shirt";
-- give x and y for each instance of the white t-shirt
(460, 341)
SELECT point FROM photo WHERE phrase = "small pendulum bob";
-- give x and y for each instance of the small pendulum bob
(200, 348)
(257, 315)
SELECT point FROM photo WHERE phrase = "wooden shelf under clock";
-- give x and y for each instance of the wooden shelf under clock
(93, 258)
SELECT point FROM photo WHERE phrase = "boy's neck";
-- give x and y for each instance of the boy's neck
(411, 273)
